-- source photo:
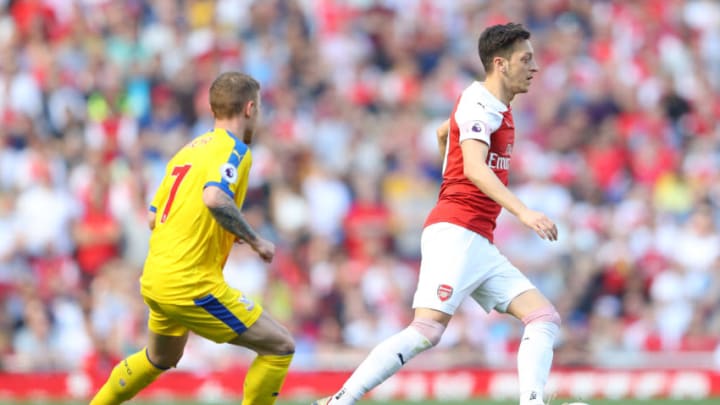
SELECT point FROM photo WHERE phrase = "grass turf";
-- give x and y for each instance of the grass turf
(478, 401)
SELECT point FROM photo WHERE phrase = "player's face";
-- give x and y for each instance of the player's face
(521, 68)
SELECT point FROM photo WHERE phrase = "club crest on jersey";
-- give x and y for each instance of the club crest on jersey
(477, 127)
(229, 172)
(444, 292)
(508, 150)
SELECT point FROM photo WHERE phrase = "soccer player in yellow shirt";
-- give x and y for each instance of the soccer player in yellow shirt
(195, 220)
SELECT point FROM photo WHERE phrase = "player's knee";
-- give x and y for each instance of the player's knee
(286, 347)
(431, 329)
(546, 314)
(165, 361)
(285, 344)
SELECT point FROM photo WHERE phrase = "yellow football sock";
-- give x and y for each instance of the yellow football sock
(264, 379)
(127, 379)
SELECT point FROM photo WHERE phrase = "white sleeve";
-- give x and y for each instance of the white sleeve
(476, 120)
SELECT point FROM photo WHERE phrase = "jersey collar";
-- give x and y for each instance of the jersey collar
(227, 131)
(492, 100)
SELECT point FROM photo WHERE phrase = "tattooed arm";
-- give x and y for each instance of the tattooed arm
(228, 215)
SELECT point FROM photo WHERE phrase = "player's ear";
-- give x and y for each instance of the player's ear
(249, 107)
(500, 64)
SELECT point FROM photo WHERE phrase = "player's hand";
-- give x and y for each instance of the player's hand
(265, 249)
(541, 224)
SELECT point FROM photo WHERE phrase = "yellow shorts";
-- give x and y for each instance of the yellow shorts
(219, 319)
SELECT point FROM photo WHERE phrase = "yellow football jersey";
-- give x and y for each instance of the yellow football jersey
(188, 247)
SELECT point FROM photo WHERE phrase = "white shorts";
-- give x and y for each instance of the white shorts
(457, 262)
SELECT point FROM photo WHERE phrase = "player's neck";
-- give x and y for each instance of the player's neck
(494, 84)
(231, 125)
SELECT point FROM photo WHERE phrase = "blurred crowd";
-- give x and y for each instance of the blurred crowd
(618, 142)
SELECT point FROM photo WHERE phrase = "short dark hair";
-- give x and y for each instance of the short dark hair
(499, 40)
(230, 92)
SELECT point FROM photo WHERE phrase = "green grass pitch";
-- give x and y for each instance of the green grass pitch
(478, 401)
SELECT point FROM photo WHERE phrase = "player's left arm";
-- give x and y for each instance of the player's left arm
(158, 201)
(475, 168)
(151, 216)
(476, 123)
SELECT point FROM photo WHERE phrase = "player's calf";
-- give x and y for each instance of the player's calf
(386, 359)
(127, 379)
(536, 352)
(267, 372)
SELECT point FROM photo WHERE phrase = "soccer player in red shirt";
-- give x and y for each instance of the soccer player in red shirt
(458, 255)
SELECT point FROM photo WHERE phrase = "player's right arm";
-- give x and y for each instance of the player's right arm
(228, 215)
(442, 133)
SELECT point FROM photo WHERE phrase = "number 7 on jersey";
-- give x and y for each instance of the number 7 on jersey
(179, 172)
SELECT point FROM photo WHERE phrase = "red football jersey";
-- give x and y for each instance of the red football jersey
(478, 114)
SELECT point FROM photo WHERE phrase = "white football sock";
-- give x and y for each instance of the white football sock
(534, 360)
(382, 362)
